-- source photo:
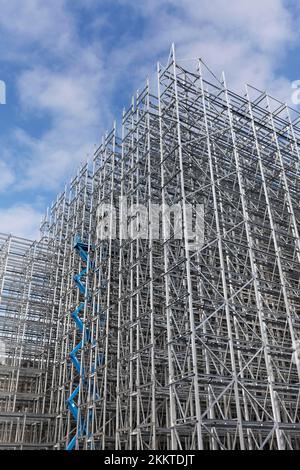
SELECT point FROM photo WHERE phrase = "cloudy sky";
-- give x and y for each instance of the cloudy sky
(70, 66)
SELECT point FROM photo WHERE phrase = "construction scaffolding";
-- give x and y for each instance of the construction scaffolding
(160, 310)
(24, 359)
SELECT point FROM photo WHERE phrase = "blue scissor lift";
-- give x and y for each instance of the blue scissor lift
(86, 337)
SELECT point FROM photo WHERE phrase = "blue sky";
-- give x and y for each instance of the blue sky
(71, 66)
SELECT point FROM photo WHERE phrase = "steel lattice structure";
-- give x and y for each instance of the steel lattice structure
(25, 421)
(190, 345)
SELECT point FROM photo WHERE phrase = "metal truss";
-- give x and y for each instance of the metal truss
(193, 336)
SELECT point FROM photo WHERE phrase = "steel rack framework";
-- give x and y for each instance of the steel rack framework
(142, 408)
(190, 224)
(199, 340)
(104, 321)
(238, 156)
(24, 418)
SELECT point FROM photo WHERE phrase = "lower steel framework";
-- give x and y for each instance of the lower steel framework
(150, 338)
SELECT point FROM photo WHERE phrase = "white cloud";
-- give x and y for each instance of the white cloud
(7, 177)
(70, 101)
(47, 24)
(63, 95)
(266, 24)
(66, 93)
(246, 39)
(20, 220)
